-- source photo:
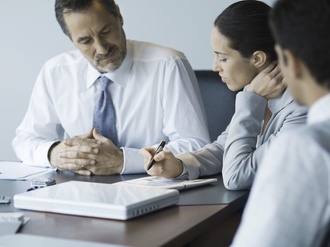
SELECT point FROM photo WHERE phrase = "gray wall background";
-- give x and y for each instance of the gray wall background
(30, 35)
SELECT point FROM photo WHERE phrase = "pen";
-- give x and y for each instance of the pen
(159, 149)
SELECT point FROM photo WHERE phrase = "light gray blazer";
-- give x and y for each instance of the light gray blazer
(239, 149)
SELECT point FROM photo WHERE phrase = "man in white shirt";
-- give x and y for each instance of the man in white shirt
(289, 203)
(154, 92)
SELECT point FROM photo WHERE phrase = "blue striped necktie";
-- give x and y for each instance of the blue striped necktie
(104, 118)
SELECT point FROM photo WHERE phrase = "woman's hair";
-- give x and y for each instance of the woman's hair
(66, 6)
(245, 25)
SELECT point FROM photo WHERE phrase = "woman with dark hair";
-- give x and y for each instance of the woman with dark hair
(245, 59)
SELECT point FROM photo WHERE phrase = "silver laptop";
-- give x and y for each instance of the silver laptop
(113, 201)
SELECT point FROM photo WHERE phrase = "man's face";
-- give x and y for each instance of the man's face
(99, 36)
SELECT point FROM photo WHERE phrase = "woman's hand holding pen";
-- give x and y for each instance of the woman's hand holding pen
(166, 165)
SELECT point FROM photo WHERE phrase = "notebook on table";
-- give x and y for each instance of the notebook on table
(167, 183)
(113, 201)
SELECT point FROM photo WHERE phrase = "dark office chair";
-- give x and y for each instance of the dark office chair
(219, 101)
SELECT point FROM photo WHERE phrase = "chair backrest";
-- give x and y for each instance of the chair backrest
(219, 101)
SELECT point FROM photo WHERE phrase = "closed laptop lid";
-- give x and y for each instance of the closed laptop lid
(113, 201)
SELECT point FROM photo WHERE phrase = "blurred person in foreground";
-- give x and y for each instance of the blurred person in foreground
(289, 204)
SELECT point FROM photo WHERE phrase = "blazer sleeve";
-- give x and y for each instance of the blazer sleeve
(245, 147)
(207, 160)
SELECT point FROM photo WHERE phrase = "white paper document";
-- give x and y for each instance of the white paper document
(10, 170)
(11, 222)
(165, 183)
(19, 240)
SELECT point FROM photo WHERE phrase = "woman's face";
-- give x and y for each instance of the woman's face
(234, 70)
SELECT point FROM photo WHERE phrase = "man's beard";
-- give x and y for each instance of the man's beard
(115, 64)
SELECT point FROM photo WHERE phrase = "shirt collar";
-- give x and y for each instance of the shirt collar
(278, 103)
(319, 111)
(119, 76)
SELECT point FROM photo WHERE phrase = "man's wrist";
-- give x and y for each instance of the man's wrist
(50, 150)
(184, 173)
(120, 157)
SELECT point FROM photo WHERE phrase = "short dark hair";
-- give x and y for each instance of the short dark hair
(303, 28)
(66, 6)
(245, 24)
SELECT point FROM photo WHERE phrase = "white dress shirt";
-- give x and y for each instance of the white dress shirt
(155, 94)
(289, 203)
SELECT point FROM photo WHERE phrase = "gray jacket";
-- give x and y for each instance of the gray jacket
(239, 149)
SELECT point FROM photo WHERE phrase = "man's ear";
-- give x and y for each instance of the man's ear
(259, 59)
(119, 15)
(293, 63)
